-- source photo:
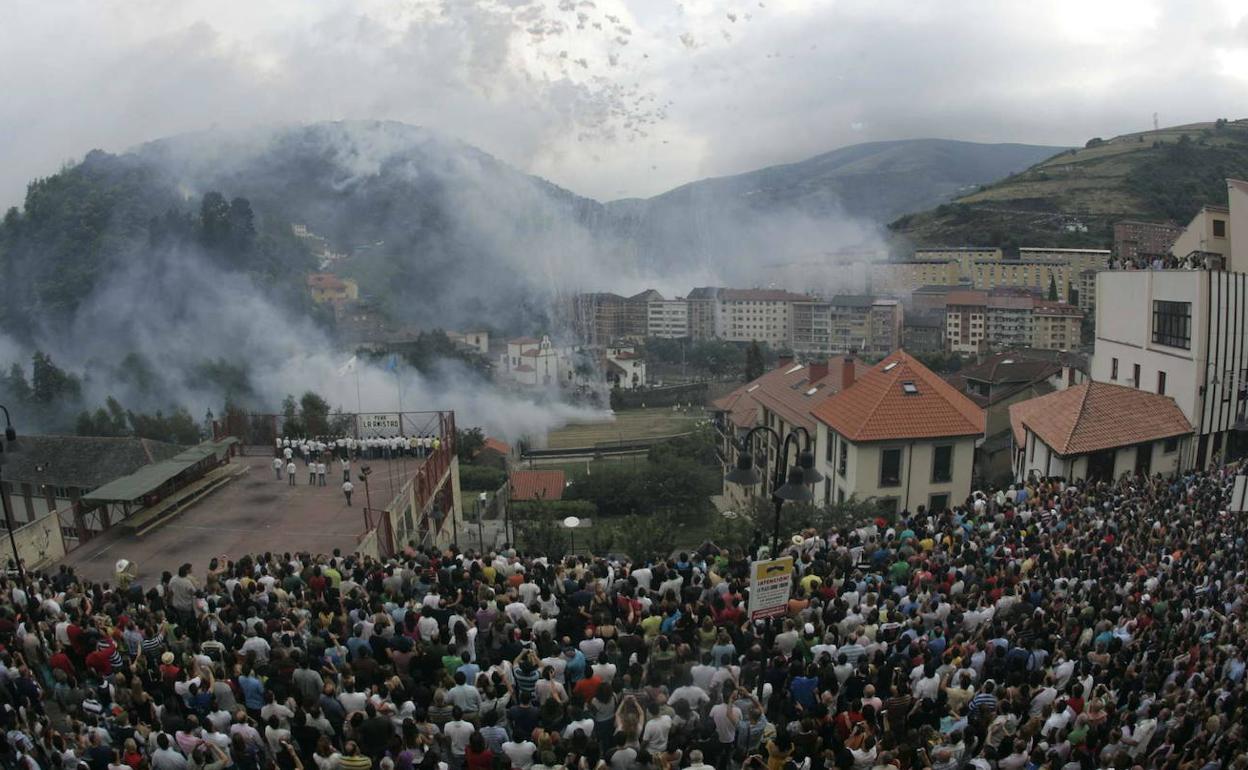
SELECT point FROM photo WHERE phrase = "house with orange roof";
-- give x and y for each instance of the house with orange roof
(1098, 431)
(900, 435)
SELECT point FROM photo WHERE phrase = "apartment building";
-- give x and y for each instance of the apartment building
(1085, 287)
(1037, 275)
(965, 256)
(810, 328)
(966, 327)
(900, 277)
(667, 318)
(884, 326)
(1055, 325)
(1076, 259)
(1008, 319)
(703, 304)
(764, 315)
(1208, 233)
(1137, 242)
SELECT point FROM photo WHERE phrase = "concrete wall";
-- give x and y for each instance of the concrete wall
(1237, 227)
(40, 542)
(1075, 468)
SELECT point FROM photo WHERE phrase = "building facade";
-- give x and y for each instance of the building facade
(1142, 242)
(1055, 326)
(966, 326)
(765, 315)
(899, 435)
(667, 318)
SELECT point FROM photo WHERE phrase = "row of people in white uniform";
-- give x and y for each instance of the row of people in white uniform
(380, 447)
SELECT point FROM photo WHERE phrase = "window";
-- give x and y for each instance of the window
(828, 450)
(890, 467)
(843, 461)
(1135, 375)
(1161, 383)
(1113, 369)
(1172, 323)
(942, 464)
(938, 503)
(1219, 228)
(1171, 446)
(827, 491)
(840, 495)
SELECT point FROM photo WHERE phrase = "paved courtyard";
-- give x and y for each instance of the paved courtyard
(254, 513)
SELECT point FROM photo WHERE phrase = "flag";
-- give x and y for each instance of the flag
(348, 367)
(392, 364)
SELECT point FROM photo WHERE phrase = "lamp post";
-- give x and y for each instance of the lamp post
(481, 498)
(572, 523)
(796, 487)
(365, 472)
(9, 445)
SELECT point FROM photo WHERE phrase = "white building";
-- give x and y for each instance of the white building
(531, 362)
(1184, 333)
(899, 435)
(1082, 433)
(667, 318)
(765, 315)
(624, 367)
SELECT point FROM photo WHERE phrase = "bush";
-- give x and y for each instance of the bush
(479, 478)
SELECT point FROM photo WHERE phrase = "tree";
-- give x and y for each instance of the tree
(754, 366)
(16, 384)
(242, 224)
(50, 384)
(315, 413)
(1052, 288)
(468, 443)
(214, 220)
(1073, 294)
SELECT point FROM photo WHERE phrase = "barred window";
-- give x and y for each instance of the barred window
(1172, 323)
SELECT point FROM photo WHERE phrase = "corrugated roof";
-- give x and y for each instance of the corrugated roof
(1098, 415)
(537, 485)
(149, 478)
(85, 462)
(877, 406)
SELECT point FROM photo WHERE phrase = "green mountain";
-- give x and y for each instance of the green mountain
(1073, 198)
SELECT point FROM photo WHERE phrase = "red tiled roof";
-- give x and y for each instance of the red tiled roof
(537, 485)
(496, 445)
(523, 368)
(626, 356)
(785, 391)
(878, 408)
(788, 395)
(1097, 415)
(531, 352)
(523, 341)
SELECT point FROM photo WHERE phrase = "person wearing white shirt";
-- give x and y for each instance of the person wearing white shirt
(696, 697)
(658, 728)
(520, 754)
(604, 671)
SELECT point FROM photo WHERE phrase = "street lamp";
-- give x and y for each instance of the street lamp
(365, 472)
(10, 445)
(481, 498)
(572, 523)
(796, 486)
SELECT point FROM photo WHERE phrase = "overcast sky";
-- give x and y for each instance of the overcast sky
(614, 98)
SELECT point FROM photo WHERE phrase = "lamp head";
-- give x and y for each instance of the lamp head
(806, 461)
(795, 490)
(745, 473)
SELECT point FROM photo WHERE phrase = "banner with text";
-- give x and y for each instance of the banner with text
(378, 425)
(770, 583)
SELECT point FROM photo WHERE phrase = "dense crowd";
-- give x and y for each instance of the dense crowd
(1065, 627)
(320, 455)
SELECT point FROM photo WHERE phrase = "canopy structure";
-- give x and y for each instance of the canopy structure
(150, 478)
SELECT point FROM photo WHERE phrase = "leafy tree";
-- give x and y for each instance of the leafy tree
(467, 443)
(292, 423)
(315, 413)
(15, 384)
(242, 224)
(754, 365)
(214, 220)
(51, 384)
(479, 478)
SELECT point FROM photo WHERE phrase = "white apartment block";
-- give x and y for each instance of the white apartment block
(765, 315)
(667, 318)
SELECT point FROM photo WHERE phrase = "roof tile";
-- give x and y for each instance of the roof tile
(1098, 415)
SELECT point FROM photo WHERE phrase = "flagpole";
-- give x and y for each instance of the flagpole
(359, 404)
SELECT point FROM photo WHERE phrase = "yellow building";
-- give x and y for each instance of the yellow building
(1055, 326)
(1035, 275)
(901, 278)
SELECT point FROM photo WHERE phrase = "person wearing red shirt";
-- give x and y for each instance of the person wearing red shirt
(60, 660)
(587, 688)
(99, 662)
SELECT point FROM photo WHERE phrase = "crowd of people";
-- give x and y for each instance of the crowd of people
(1194, 261)
(1050, 625)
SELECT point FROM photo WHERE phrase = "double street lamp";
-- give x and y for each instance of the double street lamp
(789, 483)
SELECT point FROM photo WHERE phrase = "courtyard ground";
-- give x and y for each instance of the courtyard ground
(628, 425)
(252, 514)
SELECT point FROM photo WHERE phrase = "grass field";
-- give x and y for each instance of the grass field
(627, 426)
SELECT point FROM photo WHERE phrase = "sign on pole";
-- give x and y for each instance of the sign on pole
(770, 582)
(379, 425)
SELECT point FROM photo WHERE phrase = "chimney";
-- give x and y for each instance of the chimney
(818, 370)
(848, 372)
(784, 360)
